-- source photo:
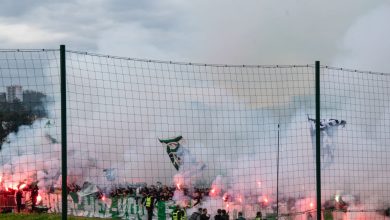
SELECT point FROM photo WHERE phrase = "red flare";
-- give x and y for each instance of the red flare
(39, 198)
(214, 191)
(22, 186)
(224, 198)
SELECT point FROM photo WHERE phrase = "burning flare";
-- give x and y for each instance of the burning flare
(39, 198)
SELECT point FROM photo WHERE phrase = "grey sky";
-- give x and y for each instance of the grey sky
(234, 32)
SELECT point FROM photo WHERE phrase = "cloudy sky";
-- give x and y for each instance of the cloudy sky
(350, 33)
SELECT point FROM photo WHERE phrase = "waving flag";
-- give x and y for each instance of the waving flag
(328, 128)
(173, 147)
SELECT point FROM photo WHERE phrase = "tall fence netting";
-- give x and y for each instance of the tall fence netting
(233, 137)
(356, 184)
(30, 159)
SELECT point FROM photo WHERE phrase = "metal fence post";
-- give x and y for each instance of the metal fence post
(63, 133)
(318, 138)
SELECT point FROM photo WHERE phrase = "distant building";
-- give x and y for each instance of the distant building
(3, 97)
(14, 92)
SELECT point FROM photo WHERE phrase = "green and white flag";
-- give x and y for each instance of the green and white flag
(173, 147)
(328, 129)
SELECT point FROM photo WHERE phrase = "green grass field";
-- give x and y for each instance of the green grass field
(42, 216)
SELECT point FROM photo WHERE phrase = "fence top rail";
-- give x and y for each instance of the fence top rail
(188, 63)
(354, 70)
(228, 65)
(28, 50)
(200, 64)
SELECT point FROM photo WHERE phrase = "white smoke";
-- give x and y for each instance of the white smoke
(30, 156)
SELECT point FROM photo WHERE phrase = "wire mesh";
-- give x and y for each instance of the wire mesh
(234, 137)
(29, 155)
(120, 109)
(356, 181)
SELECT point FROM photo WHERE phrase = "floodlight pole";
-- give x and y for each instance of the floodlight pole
(63, 134)
(277, 177)
(318, 138)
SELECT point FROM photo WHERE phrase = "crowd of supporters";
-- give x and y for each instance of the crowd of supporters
(139, 191)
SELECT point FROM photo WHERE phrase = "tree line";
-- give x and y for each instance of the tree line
(17, 113)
